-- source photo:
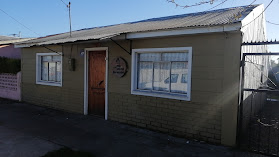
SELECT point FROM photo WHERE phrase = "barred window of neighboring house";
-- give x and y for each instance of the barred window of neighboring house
(162, 72)
(49, 69)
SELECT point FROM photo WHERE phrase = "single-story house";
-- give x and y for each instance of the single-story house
(7, 48)
(178, 75)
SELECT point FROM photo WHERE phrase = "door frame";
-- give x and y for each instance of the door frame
(86, 59)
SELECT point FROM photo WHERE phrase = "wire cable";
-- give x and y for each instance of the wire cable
(64, 2)
(19, 22)
(272, 23)
(261, 70)
(218, 5)
(192, 5)
(260, 13)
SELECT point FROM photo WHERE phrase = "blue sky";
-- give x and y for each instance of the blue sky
(47, 17)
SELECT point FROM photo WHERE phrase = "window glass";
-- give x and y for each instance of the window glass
(145, 74)
(44, 71)
(46, 58)
(161, 73)
(58, 71)
(56, 58)
(149, 56)
(52, 71)
(179, 68)
(174, 78)
(184, 78)
(174, 57)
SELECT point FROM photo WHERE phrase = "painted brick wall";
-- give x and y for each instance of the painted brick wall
(210, 115)
(212, 112)
(69, 97)
(191, 120)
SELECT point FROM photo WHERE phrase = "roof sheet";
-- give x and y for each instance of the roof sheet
(5, 38)
(200, 19)
(10, 40)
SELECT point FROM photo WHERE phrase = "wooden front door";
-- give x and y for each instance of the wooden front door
(96, 82)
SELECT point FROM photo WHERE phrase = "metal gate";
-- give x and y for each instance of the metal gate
(258, 123)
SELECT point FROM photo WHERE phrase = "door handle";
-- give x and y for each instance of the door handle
(101, 82)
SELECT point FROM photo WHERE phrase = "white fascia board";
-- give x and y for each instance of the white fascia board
(211, 29)
(22, 45)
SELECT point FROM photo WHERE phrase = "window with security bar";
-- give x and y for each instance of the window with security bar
(49, 69)
(162, 72)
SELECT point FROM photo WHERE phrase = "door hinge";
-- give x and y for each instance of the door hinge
(106, 58)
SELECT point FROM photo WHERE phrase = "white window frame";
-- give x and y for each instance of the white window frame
(178, 96)
(39, 68)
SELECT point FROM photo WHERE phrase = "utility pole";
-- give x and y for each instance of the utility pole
(69, 7)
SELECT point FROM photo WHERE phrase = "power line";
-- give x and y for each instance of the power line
(260, 13)
(64, 2)
(193, 5)
(28, 29)
(218, 5)
(19, 22)
(272, 23)
(261, 70)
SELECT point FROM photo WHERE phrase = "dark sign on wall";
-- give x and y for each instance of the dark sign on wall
(119, 67)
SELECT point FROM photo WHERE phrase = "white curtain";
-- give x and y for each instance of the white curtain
(163, 71)
(51, 68)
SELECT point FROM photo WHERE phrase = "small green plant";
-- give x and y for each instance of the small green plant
(67, 152)
(9, 65)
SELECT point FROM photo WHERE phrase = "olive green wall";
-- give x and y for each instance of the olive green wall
(68, 97)
(210, 115)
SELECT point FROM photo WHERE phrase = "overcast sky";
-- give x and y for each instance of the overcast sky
(47, 17)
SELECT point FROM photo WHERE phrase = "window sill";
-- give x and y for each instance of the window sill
(176, 96)
(49, 84)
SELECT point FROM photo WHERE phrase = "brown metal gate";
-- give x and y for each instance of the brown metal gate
(258, 123)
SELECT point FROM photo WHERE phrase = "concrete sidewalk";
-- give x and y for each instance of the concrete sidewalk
(31, 131)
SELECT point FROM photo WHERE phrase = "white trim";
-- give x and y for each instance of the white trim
(85, 101)
(173, 32)
(86, 79)
(178, 96)
(38, 69)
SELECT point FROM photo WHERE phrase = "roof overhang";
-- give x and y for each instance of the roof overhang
(142, 35)
(185, 31)
(7, 42)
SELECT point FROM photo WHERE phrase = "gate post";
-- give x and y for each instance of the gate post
(240, 107)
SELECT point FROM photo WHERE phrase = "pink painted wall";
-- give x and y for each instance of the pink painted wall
(9, 51)
(10, 86)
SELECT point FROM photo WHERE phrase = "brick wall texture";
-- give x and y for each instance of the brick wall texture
(191, 120)
(209, 116)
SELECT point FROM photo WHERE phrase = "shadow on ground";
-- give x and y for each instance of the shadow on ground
(26, 128)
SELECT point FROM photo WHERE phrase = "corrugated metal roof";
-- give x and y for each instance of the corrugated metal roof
(5, 38)
(11, 40)
(201, 19)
